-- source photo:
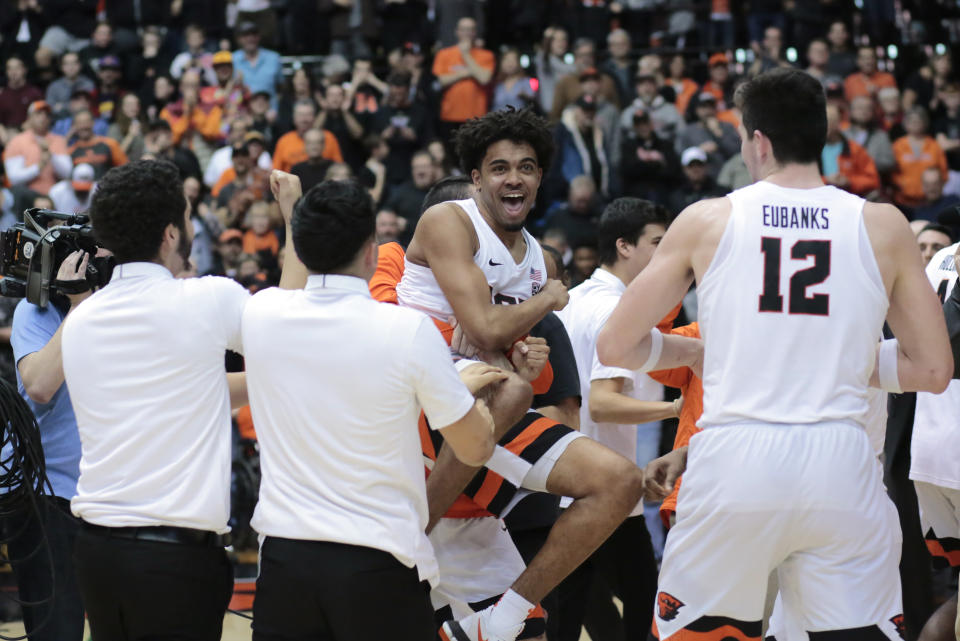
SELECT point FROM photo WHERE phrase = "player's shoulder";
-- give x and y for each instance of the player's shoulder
(704, 211)
(885, 223)
(445, 222)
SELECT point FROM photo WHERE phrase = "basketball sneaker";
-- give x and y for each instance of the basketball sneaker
(476, 627)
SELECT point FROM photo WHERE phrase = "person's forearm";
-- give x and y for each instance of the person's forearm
(294, 273)
(353, 126)
(504, 324)
(42, 371)
(610, 407)
(5, 334)
(450, 78)
(678, 351)
(18, 172)
(478, 73)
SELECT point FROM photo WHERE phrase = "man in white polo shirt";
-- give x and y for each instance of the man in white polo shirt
(143, 359)
(337, 381)
(615, 401)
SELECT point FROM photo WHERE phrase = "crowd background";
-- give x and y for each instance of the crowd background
(639, 93)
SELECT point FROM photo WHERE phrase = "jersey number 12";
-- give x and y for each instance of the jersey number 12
(771, 300)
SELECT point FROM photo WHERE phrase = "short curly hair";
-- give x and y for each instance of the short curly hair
(132, 206)
(475, 136)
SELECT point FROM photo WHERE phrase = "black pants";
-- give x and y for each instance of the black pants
(60, 617)
(323, 591)
(623, 566)
(148, 590)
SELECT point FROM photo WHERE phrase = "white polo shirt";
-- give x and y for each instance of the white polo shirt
(590, 305)
(144, 362)
(336, 383)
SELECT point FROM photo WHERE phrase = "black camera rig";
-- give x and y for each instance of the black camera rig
(31, 253)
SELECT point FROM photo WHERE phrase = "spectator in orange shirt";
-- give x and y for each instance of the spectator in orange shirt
(189, 116)
(464, 71)
(719, 83)
(868, 80)
(844, 163)
(36, 158)
(100, 152)
(260, 236)
(915, 152)
(675, 76)
(290, 148)
(242, 174)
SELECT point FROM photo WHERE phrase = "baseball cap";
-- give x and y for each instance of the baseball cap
(37, 105)
(586, 101)
(223, 58)
(246, 27)
(718, 59)
(706, 96)
(82, 177)
(692, 155)
(109, 62)
(254, 135)
(589, 72)
(231, 234)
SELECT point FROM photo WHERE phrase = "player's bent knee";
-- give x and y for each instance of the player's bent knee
(587, 468)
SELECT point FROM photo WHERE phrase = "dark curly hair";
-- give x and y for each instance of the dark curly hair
(133, 205)
(475, 136)
(331, 222)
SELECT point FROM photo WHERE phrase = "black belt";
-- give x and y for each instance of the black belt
(163, 534)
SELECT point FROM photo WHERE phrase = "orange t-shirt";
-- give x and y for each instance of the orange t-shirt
(100, 152)
(252, 243)
(467, 98)
(692, 389)
(908, 175)
(25, 145)
(858, 84)
(290, 150)
(685, 89)
(245, 424)
(258, 181)
(206, 120)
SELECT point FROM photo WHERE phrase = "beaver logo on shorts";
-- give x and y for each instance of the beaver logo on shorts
(668, 606)
(901, 627)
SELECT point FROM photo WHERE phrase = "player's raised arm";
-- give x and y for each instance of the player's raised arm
(444, 237)
(924, 361)
(626, 340)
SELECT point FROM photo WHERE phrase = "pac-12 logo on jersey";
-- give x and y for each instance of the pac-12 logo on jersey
(668, 606)
(536, 276)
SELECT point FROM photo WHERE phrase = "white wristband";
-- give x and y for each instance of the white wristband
(887, 367)
(656, 349)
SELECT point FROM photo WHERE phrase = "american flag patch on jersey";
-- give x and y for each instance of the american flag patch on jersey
(535, 274)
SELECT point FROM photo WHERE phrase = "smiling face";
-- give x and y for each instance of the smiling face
(507, 183)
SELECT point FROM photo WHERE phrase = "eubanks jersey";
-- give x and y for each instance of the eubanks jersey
(510, 282)
(791, 309)
(783, 476)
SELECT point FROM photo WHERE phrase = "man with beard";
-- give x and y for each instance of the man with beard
(472, 259)
(144, 362)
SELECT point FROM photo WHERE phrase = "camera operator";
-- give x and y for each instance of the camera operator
(35, 338)
(144, 360)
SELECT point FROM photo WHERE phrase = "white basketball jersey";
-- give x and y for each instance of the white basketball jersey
(791, 309)
(510, 282)
(936, 424)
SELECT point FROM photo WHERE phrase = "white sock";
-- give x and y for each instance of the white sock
(509, 614)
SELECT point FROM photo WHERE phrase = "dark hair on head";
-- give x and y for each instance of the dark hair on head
(626, 218)
(520, 126)
(447, 188)
(331, 222)
(943, 229)
(158, 125)
(789, 107)
(557, 257)
(133, 205)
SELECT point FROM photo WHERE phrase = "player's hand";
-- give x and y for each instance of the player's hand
(478, 376)
(74, 267)
(556, 290)
(660, 474)
(286, 191)
(530, 356)
(459, 343)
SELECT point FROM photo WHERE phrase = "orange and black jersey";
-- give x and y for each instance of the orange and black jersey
(489, 493)
(101, 152)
